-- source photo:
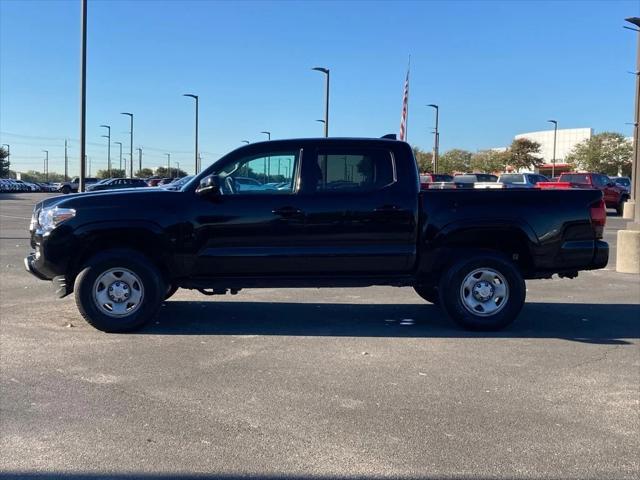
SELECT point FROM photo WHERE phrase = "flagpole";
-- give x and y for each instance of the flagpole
(406, 123)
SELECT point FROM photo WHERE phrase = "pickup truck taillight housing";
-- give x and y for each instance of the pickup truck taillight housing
(598, 214)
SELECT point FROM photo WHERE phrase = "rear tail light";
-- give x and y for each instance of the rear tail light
(598, 214)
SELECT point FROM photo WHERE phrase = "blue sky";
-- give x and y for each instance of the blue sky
(495, 68)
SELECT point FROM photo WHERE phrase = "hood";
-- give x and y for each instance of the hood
(106, 196)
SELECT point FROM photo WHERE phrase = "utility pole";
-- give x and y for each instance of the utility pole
(83, 94)
(139, 159)
(168, 164)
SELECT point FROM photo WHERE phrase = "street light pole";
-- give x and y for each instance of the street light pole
(555, 137)
(168, 164)
(120, 143)
(66, 161)
(322, 122)
(130, 115)
(83, 93)
(195, 97)
(326, 98)
(246, 141)
(266, 166)
(108, 136)
(436, 138)
(46, 165)
(139, 159)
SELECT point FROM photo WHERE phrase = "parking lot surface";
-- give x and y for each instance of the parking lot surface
(332, 383)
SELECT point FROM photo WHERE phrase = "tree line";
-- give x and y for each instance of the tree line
(608, 152)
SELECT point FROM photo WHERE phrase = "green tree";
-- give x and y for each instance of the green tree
(607, 152)
(522, 154)
(455, 161)
(4, 163)
(33, 176)
(144, 173)
(162, 172)
(423, 159)
(489, 161)
(115, 173)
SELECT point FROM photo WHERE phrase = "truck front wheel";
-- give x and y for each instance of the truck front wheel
(66, 190)
(484, 291)
(119, 291)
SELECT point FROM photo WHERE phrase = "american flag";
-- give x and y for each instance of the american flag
(405, 110)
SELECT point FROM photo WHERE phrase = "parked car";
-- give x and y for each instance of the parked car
(427, 179)
(165, 181)
(624, 182)
(468, 180)
(614, 195)
(122, 254)
(153, 181)
(117, 183)
(521, 180)
(177, 184)
(73, 185)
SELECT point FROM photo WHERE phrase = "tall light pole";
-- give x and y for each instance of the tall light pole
(195, 97)
(130, 115)
(120, 143)
(555, 137)
(628, 240)
(436, 138)
(266, 165)
(66, 161)
(83, 93)
(168, 164)
(322, 122)
(46, 165)
(9, 154)
(326, 98)
(108, 136)
(139, 159)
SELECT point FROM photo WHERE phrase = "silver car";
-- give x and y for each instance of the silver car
(521, 180)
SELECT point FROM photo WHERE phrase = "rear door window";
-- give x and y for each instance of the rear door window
(351, 170)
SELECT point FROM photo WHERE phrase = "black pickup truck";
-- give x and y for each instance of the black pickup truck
(313, 213)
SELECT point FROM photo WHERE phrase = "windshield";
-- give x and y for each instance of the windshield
(623, 181)
(512, 178)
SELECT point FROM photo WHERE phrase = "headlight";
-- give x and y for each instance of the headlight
(50, 218)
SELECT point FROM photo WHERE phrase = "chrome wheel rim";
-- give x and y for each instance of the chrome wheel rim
(484, 292)
(118, 292)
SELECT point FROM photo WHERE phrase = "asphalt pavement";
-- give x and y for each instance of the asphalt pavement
(318, 384)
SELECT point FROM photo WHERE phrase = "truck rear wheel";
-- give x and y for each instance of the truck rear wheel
(484, 291)
(119, 291)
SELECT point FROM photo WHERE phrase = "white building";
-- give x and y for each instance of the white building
(567, 139)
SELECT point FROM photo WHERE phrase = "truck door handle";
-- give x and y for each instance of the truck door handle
(387, 209)
(287, 211)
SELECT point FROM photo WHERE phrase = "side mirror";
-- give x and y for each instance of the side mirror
(209, 185)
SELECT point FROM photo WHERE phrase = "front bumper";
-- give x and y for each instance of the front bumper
(59, 283)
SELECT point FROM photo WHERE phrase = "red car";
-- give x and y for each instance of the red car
(428, 178)
(614, 195)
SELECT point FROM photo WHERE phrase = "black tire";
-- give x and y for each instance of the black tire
(147, 280)
(66, 190)
(457, 300)
(428, 293)
(170, 291)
